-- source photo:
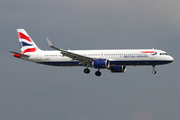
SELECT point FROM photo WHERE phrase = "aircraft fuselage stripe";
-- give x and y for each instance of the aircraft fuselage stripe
(76, 63)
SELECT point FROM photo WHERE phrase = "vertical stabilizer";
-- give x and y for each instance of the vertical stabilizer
(27, 45)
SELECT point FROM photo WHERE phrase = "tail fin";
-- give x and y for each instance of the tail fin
(26, 43)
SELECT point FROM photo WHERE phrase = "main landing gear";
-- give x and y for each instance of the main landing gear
(154, 71)
(98, 73)
(87, 71)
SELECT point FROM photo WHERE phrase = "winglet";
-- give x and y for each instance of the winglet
(51, 45)
(49, 42)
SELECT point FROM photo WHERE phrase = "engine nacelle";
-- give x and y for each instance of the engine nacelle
(118, 69)
(101, 63)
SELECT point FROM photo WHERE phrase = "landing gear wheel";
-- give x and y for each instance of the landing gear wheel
(86, 70)
(98, 73)
(154, 72)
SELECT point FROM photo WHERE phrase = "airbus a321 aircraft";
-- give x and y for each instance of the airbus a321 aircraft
(113, 60)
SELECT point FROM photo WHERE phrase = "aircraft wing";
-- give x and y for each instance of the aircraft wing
(19, 53)
(84, 60)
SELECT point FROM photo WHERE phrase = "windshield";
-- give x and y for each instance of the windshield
(163, 54)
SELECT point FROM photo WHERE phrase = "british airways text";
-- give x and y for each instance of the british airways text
(136, 56)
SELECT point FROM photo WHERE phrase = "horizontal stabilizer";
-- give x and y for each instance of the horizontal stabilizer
(19, 53)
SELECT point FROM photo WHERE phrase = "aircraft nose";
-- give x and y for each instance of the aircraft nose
(170, 58)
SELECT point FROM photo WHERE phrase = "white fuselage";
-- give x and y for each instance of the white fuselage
(116, 57)
(114, 60)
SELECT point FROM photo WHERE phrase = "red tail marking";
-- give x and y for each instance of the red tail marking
(22, 36)
(28, 50)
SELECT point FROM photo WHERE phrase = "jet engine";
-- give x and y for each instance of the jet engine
(118, 69)
(101, 63)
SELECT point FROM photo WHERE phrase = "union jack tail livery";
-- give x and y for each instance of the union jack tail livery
(26, 43)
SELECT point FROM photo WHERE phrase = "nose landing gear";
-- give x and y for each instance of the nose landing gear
(154, 71)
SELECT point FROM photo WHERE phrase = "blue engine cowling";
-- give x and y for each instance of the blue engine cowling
(117, 69)
(101, 63)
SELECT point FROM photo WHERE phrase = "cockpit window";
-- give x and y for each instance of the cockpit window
(163, 54)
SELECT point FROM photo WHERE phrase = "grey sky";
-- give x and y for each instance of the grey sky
(31, 91)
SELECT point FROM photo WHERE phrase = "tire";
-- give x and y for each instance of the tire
(86, 70)
(154, 72)
(98, 73)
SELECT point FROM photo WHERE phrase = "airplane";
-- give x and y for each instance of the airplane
(114, 60)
